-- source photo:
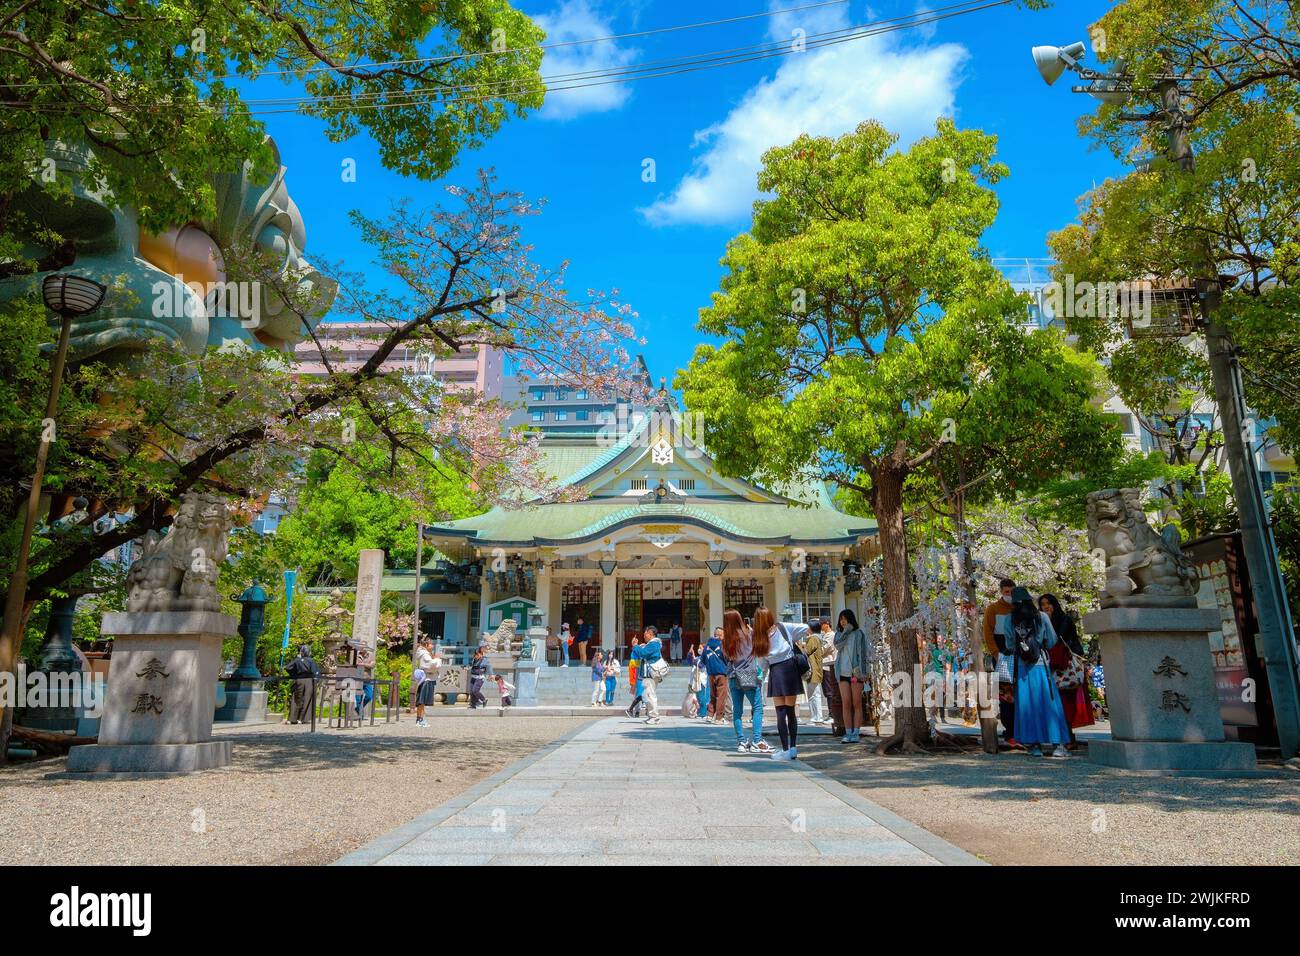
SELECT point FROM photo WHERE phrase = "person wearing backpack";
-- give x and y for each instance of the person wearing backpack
(743, 681)
(715, 666)
(1028, 637)
(786, 665)
(653, 669)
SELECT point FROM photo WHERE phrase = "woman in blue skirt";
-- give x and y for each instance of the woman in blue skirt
(1040, 717)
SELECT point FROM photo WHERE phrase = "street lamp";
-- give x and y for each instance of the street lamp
(1273, 613)
(68, 296)
(608, 566)
(1053, 61)
(716, 566)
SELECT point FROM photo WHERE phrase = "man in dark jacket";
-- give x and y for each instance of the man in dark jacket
(303, 670)
(716, 666)
(581, 636)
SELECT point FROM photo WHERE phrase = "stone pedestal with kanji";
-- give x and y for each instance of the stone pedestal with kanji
(161, 695)
(1164, 710)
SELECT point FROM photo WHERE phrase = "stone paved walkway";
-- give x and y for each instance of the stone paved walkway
(582, 799)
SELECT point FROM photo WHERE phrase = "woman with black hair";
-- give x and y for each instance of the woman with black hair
(1074, 700)
(852, 665)
(1027, 637)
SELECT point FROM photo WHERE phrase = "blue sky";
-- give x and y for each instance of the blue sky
(659, 243)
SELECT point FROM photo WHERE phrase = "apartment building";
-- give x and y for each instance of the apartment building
(1032, 276)
(553, 406)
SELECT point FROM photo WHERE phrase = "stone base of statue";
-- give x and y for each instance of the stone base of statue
(245, 702)
(162, 686)
(1164, 710)
(526, 683)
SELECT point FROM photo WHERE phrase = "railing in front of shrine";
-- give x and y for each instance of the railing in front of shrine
(334, 704)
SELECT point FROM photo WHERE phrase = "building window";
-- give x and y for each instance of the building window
(561, 415)
(561, 395)
(639, 484)
(539, 394)
(581, 415)
(539, 416)
(686, 484)
(816, 606)
(580, 394)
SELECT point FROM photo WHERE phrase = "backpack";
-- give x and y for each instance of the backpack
(801, 665)
(1025, 637)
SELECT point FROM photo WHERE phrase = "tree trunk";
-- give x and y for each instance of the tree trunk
(9, 665)
(973, 629)
(911, 730)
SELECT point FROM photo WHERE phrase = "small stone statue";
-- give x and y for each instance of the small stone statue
(336, 614)
(179, 571)
(1143, 569)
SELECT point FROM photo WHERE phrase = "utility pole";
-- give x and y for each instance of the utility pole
(1276, 631)
(415, 615)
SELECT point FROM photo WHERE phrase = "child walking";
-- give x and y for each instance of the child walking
(597, 680)
(504, 687)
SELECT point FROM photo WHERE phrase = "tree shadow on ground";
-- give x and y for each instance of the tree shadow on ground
(1016, 776)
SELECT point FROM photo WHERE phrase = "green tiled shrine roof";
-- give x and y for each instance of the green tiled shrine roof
(571, 523)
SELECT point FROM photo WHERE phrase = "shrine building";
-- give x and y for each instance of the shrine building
(661, 537)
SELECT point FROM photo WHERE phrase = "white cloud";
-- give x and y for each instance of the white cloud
(823, 92)
(577, 20)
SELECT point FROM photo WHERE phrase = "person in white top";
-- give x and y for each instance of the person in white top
(785, 683)
(427, 665)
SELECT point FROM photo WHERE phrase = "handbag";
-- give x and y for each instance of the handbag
(744, 673)
(1073, 675)
(1005, 674)
(658, 670)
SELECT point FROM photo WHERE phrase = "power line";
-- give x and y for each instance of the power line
(585, 79)
(561, 43)
(620, 72)
(453, 57)
(622, 75)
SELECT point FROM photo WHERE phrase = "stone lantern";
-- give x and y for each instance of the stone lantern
(246, 690)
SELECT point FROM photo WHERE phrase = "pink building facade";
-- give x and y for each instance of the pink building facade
(481, 369)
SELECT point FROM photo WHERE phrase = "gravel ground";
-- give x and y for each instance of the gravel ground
(1015, 809)
(288, 797)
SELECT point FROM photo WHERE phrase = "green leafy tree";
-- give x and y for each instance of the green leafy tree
(238, 422)
(866, 332)
(1234, 213)
(158, 91)
(341, 510)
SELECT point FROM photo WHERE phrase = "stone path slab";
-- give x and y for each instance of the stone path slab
(619, 792)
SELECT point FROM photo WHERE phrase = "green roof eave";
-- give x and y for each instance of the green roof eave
(768, 524)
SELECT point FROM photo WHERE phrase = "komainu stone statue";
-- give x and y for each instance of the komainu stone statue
(1143, 569)
(501, 640)
(179, 571)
